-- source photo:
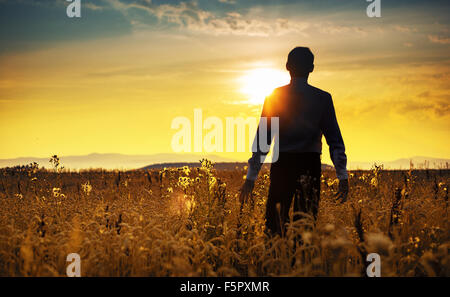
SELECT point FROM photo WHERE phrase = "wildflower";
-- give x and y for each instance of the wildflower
(332, 182)
(56, 192)
(206, 164)
(186, 170)
(87, 188)
(374, 182)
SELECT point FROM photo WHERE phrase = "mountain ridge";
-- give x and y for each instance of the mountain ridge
(124, 161)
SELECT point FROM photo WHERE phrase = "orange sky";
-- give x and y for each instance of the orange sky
(389, 81)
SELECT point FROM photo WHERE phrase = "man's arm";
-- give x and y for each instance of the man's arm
(330, 129)
(332, 133)
(258, 156)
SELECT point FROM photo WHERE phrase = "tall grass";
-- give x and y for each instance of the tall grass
(189, 222)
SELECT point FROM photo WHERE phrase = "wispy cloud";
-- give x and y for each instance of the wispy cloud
(190, 16)
(93, 6)
(426, 102)
(439, 39)
(405, 29)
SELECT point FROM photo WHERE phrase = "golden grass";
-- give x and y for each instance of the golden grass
(188, 222)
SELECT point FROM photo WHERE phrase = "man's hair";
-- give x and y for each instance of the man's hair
(300, 61)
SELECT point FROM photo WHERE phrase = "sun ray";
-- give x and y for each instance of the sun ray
(258, 83)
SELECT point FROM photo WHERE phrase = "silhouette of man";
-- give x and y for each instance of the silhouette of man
(305, 114)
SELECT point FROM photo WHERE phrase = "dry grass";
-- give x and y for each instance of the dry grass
(188, 222)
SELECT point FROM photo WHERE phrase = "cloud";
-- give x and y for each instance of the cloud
(49, 3)
(190, 16)
(332, 28)
(404, 29)
(92, 6)
(257, 21)
(435, 105)
(439, 39)
(425, 105)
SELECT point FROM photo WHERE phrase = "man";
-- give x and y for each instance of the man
(305, 113)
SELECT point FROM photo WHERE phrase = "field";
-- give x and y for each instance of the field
(189, 222)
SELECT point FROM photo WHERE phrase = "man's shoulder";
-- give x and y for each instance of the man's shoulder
(319, 92)
(281, 90)
(277, 93)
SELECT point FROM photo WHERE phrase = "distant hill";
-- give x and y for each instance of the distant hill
(218, 165)
(112, 161)
(121, 161)
(418, 162)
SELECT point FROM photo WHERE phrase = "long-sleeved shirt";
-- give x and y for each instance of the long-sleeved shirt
(305, 113)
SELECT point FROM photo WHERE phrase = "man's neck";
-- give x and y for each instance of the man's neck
(299, 79)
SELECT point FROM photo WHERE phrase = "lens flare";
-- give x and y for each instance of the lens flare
(258, 83)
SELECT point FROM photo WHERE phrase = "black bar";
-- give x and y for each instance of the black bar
(223, 286)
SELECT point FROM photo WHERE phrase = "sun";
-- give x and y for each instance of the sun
(258, 83)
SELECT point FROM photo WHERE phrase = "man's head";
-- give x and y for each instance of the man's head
(300, 62)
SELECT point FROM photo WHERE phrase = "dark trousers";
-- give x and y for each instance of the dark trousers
(294, 175)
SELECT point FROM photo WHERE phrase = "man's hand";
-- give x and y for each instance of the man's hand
(342, 191)
(246, 190)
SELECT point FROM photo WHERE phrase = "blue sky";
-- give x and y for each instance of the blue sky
(30, 24)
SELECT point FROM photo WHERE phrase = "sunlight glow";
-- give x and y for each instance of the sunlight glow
(258, 83)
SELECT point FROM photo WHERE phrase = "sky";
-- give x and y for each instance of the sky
(113, 80)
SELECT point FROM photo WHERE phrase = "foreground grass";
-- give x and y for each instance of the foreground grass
(189, 222)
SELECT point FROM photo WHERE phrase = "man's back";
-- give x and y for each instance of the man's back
(305, 113)
(300, 108)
